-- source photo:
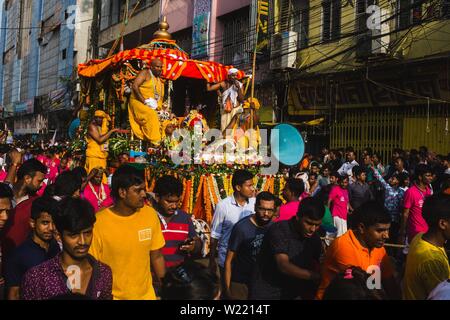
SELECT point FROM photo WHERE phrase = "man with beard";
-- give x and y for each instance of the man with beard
(38, 248)
(231, 96)
(287, 266)
(176, 225)
(30, 177)
(363, 247)
(244, 245)
(73, 270)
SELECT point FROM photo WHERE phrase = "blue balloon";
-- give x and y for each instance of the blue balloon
(74, 125)
(287, 144)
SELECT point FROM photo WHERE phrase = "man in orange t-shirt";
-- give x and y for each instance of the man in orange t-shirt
(305, 161)
(362, 247)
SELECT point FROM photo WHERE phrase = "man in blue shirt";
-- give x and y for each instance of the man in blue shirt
(244, 245)
(38, 248)
(229, 211)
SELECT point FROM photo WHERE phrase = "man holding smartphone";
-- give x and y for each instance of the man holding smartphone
(176, 225)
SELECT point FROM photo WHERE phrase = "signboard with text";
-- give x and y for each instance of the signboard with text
(24, 107)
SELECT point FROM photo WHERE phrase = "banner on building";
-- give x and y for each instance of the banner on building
(24, 107)
(262, 44)
(200, 29)
(55, 100)
(8, 110)
(307, 97)
(30, 124)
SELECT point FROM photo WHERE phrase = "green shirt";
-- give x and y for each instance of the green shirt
(327, 221)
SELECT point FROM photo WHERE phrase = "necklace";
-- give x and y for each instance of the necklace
(163, 220)
(101, 196)
(155, 92)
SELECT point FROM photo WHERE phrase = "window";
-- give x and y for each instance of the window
(236, 44)
(361, 15)
(417, 11)
(64, 54)
(301, 23)
(331, 17)
(326, 18)
(409, 12)
(446, 9)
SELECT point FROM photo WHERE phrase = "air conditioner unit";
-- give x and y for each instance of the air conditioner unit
(283, 50)
(380, 45)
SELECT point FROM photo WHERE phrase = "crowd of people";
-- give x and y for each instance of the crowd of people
(344, 228)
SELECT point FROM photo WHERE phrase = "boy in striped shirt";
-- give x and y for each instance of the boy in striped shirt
(176, 225)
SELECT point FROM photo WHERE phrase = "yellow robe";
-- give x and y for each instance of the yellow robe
(248, 139)
(144, 120)
(96, 154)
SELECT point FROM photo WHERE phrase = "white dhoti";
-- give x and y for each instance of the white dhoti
(225, 117)
(230, 94)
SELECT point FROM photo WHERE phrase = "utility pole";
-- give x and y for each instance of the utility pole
(95, 28)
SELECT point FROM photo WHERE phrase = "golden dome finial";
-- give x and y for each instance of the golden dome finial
(162, 33)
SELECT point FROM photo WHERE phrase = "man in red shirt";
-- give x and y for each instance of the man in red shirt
(291, 193)
(30, 177)
(412, 221)
(176, 225)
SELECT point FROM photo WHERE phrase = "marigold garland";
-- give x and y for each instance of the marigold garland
(207, 201)
(263, 185)
(191, 199)
(186, 195)
(209, 191)
(282, 185)
(270, 184)
(259, 183)
(276, 188)
(199, 200)
(205, 186)
(215, 191)
(152, 186)
(221, 185)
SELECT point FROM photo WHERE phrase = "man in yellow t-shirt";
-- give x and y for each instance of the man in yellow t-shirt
(427, 263)
(128, 238)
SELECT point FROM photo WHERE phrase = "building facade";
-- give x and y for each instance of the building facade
(42, 42)
(221, 31)
(376, 71)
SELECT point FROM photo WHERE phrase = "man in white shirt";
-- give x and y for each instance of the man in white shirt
(346, 168)
(228, 212)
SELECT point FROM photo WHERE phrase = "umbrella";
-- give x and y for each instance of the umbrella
(176, 63)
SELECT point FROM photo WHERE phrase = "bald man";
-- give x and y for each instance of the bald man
(147, 94)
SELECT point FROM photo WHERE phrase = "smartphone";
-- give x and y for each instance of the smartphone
(188, 241)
